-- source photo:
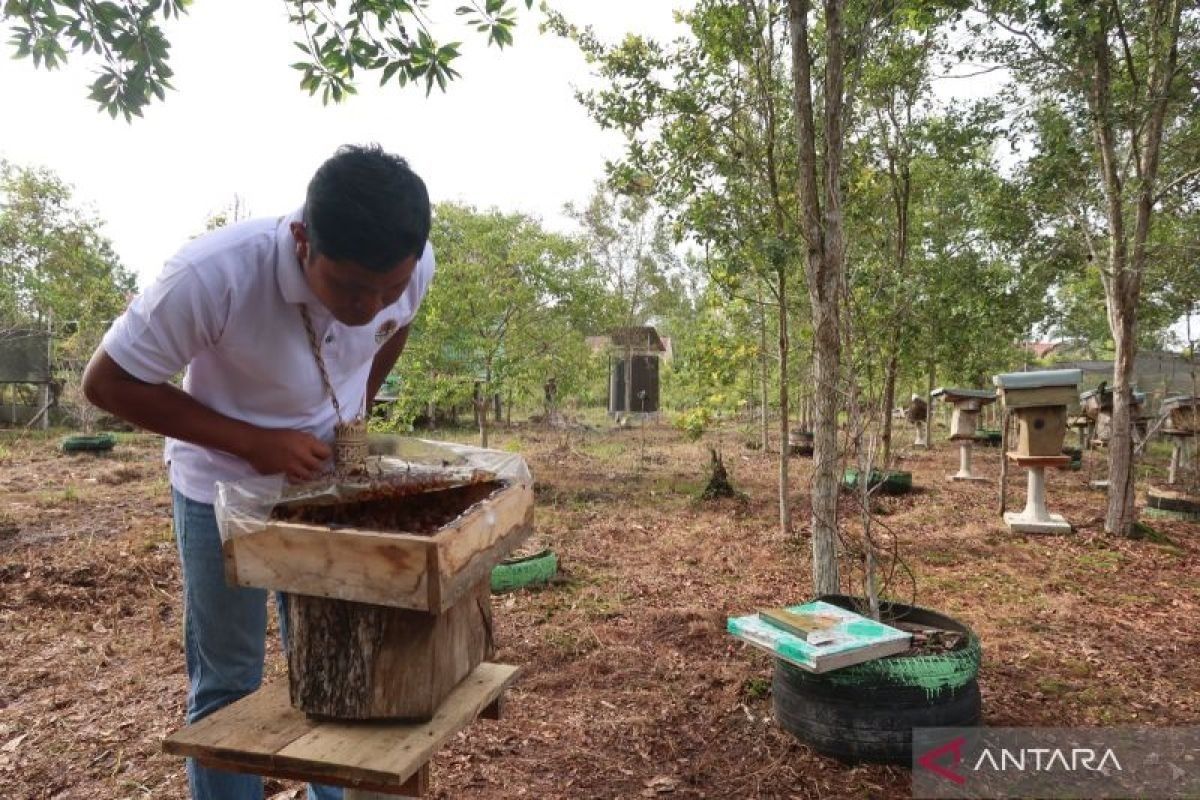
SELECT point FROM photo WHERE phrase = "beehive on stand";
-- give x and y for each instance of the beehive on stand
(1097, 405)
(388, 606)
(1182, 415)
(964, 422)
(1040, 401)
(1180, 498)
(916, 412)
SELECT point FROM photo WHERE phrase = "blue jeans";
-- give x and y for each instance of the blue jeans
(224, 641)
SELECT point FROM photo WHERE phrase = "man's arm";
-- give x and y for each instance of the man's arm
(165, 409)
(385, 358)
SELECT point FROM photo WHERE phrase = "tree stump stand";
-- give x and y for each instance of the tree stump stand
(356, 661)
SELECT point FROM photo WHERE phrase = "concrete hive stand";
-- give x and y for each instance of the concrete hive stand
(967, 405)
(1040, 401)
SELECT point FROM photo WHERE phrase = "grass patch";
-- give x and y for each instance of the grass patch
(158, 536)
(569, 643)
(940, 558)
(1145, 533)
(68, 496)
(1053, 687)
(606, 450)
(756, 688)
(1101, 560)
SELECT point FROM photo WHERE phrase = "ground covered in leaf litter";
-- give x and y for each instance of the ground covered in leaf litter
(631, 686)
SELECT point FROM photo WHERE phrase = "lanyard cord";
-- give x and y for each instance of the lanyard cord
(315, 345)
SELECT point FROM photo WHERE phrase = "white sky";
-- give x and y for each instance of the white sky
(509, 133)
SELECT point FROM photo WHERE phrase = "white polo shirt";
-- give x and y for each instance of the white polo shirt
(227, 308)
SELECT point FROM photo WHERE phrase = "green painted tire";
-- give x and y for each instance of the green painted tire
(88, 443)
(531, 570)
(893, 482)
(866, 712)
(1166, 513)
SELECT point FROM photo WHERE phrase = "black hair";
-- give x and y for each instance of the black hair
(368, 207)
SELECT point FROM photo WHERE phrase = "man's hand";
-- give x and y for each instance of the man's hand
(165, 409)
(298, 455)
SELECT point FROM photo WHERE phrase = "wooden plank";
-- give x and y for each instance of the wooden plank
(451, 589)
(477, 532)
(364, 566)
(359, 752)
(263, 735)
(812, 628)
(249, 731)
(1038, 461)
(495, 710)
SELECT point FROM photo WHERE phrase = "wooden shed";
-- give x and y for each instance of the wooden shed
(633, 366)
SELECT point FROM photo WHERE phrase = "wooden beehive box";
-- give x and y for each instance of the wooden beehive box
(1040, 401)
(967, 405)
(388, 604)
(1183, 415)
(427, 547)
(1041, 430)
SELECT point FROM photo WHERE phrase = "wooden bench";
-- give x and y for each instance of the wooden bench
(262, 734)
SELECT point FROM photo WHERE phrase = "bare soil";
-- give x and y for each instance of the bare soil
(631, 686)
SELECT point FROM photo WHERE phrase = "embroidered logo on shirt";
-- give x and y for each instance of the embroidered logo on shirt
(385, 331)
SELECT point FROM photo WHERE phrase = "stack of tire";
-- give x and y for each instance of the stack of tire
(867, 712)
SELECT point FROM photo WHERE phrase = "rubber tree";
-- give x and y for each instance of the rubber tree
(820, 191)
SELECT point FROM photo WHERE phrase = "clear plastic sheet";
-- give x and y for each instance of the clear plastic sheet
(245, 506)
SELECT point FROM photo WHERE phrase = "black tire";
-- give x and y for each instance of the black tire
(866, 712)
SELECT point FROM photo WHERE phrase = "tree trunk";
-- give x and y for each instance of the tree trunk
(1122, 512)
(628, 381)
(359, 661)
(481, 409)
(826, 363)
(762, 363)
(1126, 263)
(785, 450)
(824, 263)
(929, 405)
(889, 399)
